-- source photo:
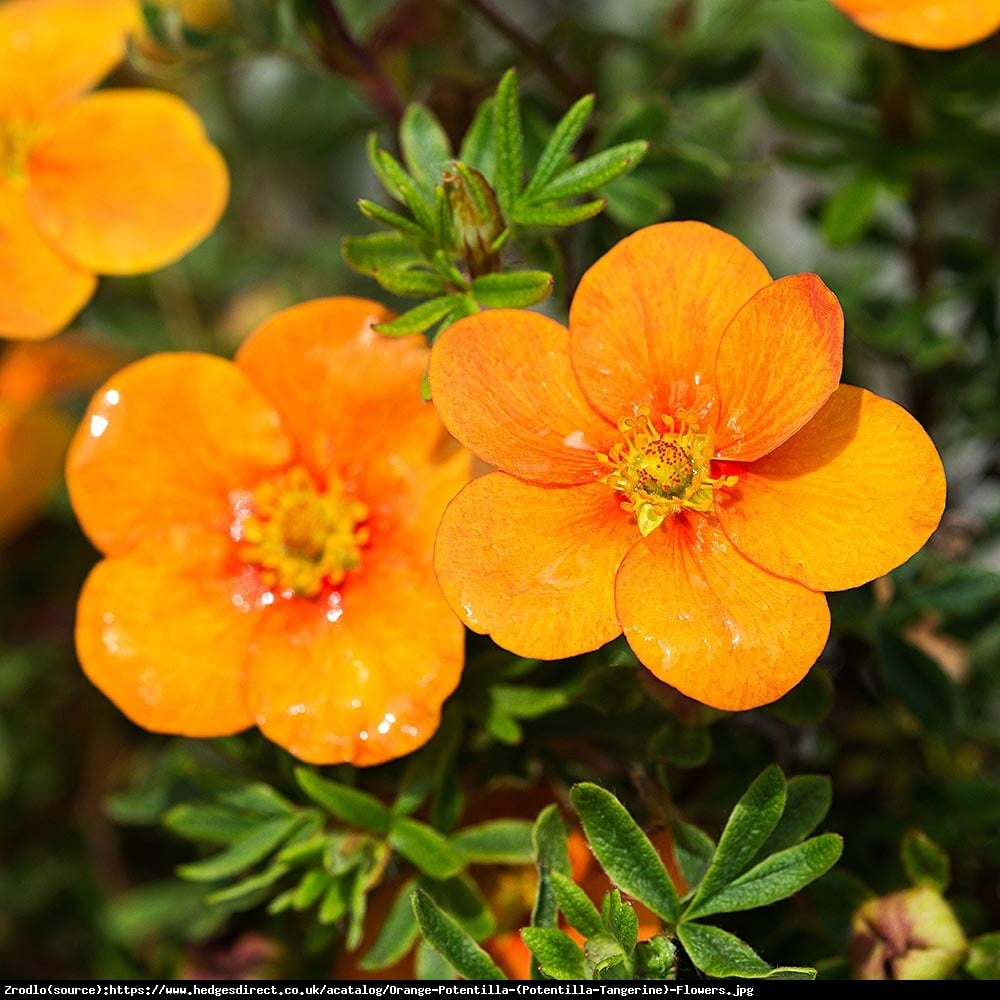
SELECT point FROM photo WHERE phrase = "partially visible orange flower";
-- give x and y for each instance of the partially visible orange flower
(116, 182)
(926, 24)
(34, 429)
(680, 464)
(268, 527)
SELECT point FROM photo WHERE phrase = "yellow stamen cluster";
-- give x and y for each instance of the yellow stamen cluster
(302, 538)
(16, 138)
(661, 473)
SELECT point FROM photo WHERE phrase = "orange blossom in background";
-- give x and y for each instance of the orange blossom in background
(680, 464)
(115, 182)
(268, 528)
(926, 24)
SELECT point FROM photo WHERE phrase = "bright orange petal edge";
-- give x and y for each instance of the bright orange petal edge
(925, 24)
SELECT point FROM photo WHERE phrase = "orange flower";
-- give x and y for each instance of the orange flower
(34, 431)
(680, 464)
(926, 24)
(118, 182)
(268, 527)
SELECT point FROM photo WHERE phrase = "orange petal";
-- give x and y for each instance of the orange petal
(53, 50)
(851, 496)
(349, 396)
(779, 361)
(713, 625)
(647, 318)
(361, 677)
(166, 441)
(40, 292)
(164, 633)
(534, 566)
(32, 445)
(126, 181)
(926, 24)
(503, 385)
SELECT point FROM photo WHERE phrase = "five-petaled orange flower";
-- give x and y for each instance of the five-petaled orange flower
(681, 464)
(926, 24)
(268, 528)
(116, 182)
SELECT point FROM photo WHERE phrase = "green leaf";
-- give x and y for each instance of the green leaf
(983, 961)
(426, 768)
(428, 964)
(604, 952)
(555, 951)
(655, 958)
(375, 162)
(777, 877)
(513, 290)
(313, 884)
(419, 318)
(680, 745)
(461, 899)
(411, 194)
(425, 848)
(528, 702)
(551, 855)
(694, 850)
(634, 202)
(847, 214)
(720, 954)
(809, 702)
(307, 850)
(244, 852)
(414, 283)
(624, 851)
(212, 824)
(750, 824)
(591, 173)
(807, 802)
(925, 862)
(579, 911)
(335, 901)
(351, 805)
(507, 149)
(621, 920)
(924, 687)
(389, 218)
(258, 798)
(425, 145)
(379, 252)
(248, 886)
(477, 145)
(554, 217)
(450, 941)
(497, 842)
(397, 934)
(561, 143)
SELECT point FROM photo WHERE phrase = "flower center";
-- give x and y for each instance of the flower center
(301, 538)
(661, 473)
(16, 138)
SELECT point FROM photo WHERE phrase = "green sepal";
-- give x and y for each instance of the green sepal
(591, 173)
(925, 862)
(351, 805)
(648, 518)
(451, 942)
(554, 217)
(513, 290)
(555, 951)
(560, 144)
(983, 960)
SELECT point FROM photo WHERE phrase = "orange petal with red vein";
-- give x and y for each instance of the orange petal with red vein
(32, 445)
(168, 440)
(349, 396)
(53, 50)
(926, 24)
(361, 677)
(503, 385)
(164, 633)
(40, 292)
(646, 320)
(855, 493)
(707, 621)
(779, 361)
(534, 566)
(126, 181)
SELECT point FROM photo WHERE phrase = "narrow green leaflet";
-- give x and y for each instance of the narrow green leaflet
(507, 141)
(528, 702)
(411, 282)
(206, 822)
(694, 850)
(556, 952)
(847, 214)
(477, 144)
(419, 318)
(806, 805)
(497, 842)
(552, 217)
(635, 202)
(372, 149)
(591, 173)
(579, 911)
(560, 145)
(624, 851)
(925, 862)
(348, 804)
(425, 145)
(389, 218)
(244, 852)
(411, 194)
(335, 901)
(379, 251)
(397, 934)
(621, 920)
(257, 797)
(720, 954)
(248, 886)
(461, 899)
(425, 848)
(448, 939)
(777, 877)
(551, 855)
(513, 290)
(750, 824)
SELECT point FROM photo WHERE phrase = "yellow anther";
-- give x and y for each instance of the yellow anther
(300, 538)
(662, 472)
(16, 138)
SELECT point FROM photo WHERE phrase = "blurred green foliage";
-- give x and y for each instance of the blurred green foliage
(823, 149)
